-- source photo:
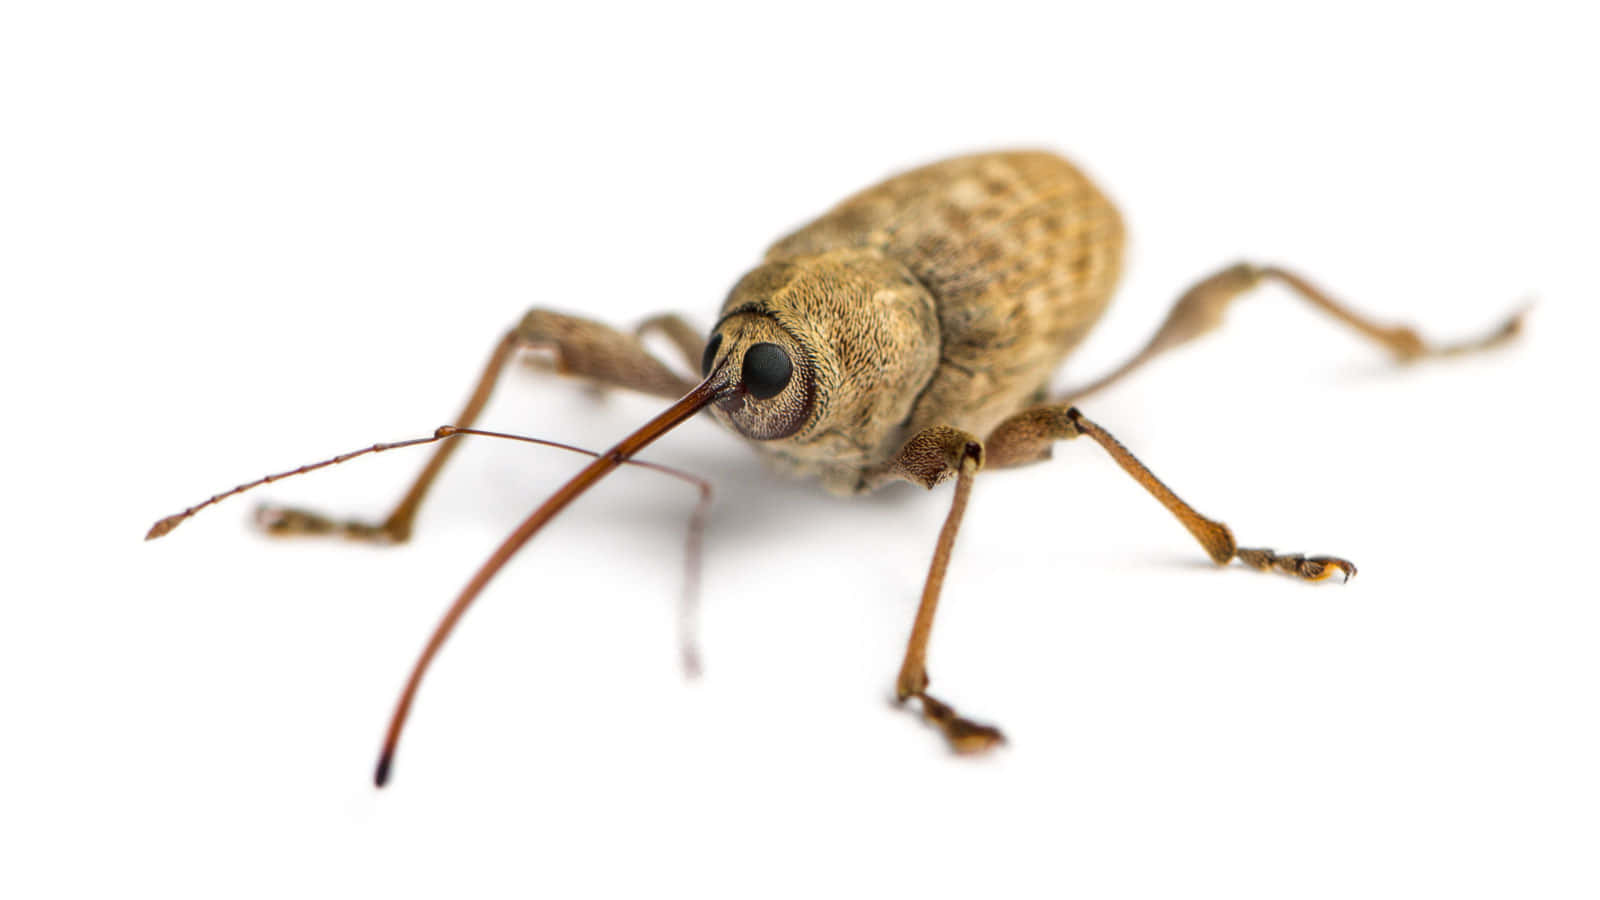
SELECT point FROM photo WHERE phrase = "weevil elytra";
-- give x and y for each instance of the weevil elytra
(909, 334)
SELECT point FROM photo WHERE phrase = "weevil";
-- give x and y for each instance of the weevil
(909, 334)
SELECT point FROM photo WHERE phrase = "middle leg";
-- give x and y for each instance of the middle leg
(1027, 437)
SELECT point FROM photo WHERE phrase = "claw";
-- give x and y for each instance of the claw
(970, 738)
(1316, 568)
(966, 736)
(1320, 567)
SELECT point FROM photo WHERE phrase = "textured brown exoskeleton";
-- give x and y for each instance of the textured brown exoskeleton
(908, 334)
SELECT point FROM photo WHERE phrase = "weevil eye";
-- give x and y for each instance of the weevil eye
(710, 355)
(767, 370)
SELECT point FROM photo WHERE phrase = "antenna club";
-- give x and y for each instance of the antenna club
(380, 776)
(163, 527)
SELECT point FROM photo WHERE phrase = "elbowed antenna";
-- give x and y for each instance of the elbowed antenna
(716, 386)
(165, 526)
(697, 519)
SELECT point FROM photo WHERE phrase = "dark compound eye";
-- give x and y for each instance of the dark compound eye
(766, 370)
(711, 354)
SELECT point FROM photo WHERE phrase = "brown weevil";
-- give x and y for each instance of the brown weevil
(908, 334)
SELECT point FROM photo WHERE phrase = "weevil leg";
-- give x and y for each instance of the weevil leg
(928, 459)
(1200, 310)
(1027, 438)
(580, 347)
(689, 342)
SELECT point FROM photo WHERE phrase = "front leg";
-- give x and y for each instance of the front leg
(578, 347)
(928, 459)
(690, 342)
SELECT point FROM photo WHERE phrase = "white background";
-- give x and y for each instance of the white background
(240, 239)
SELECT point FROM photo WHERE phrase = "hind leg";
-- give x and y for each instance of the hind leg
(1200, 311)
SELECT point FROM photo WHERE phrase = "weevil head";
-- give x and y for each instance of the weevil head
(832, 351)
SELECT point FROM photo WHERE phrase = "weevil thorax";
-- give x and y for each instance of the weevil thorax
(862, 335)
